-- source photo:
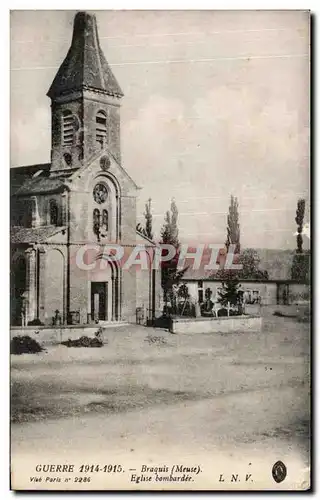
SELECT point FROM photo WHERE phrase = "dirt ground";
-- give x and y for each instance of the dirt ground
(232, 402)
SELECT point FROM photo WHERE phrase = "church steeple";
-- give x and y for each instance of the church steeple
(85, 66)
(85, 99)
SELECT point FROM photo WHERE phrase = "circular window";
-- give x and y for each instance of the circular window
(100, 193)
(104, 163)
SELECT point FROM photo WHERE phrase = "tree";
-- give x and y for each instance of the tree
(300, 270)
(147, 230)
(169, 231)
(233, 227)
(299, 221)
(183, 293)
(148, 217)
(230, 292)
(250, 261)
(170, 275)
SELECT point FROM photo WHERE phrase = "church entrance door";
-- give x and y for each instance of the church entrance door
(99, 300)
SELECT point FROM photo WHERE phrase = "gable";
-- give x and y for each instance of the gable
(103, 164)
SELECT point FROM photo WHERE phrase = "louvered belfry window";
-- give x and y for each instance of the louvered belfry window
(68, 128)
(101, 128)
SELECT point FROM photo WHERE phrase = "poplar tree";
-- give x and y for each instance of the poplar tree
(170, 276)
(299, 221)
(148, 218)
(233, 226)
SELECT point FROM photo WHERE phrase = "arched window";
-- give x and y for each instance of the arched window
(54, 213)
(105, 220)
(67, 128)
(101, 128)
(96, 222)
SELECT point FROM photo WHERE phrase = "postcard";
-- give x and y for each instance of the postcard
(160, 250)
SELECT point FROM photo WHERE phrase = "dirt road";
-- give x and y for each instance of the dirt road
(232, 405)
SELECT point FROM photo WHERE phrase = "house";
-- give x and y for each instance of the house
(277, 288)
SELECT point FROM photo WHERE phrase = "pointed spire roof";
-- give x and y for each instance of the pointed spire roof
(85, 65)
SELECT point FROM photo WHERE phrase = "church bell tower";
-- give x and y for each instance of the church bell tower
(85, 102)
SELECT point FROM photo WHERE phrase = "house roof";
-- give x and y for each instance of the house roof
(33, 234)
(35, 179)
(85, 65)
(19, 175)
(277, 262)
(41, 185)
(202, 273)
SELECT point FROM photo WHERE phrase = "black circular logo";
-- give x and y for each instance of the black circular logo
(279, 472)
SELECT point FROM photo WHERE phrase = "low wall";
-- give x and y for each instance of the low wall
(53, 335)
(224, 324)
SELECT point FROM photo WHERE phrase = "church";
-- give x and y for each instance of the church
(83, 197)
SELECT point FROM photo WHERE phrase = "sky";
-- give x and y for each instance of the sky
(216, 103)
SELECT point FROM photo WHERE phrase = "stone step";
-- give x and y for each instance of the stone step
(112, 324)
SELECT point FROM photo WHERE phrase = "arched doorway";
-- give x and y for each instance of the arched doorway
(104, 294)
(18, 284)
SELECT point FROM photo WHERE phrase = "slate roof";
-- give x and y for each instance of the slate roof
(277, 263)
(19, 175)
(85, 65)
(34, 179)
(41, 185)
(33, 234)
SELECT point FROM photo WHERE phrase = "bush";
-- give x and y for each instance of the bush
(153, 339)
(232, 312)
(223, 312)
(278, 313)
(35, 322)
(24, 344)
(84, 342)
(163, 322)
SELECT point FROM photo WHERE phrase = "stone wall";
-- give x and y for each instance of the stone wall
(47, 336)
(231, 324)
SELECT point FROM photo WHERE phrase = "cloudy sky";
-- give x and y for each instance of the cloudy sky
(216, 103)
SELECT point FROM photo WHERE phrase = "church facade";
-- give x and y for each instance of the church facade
(83, 198)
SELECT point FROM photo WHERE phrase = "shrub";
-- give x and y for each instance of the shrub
(153, 339)
(223, 312)
(278, 313)
(24, 344)
(35, 322)
(84, 341)
(163, 322)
